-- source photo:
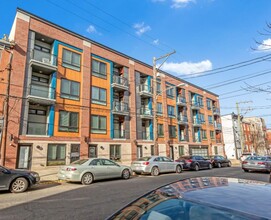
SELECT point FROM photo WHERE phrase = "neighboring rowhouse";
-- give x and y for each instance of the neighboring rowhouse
(71, 97)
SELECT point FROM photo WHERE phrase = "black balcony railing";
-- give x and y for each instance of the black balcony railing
(120, 106)
(181, 100)
(145, 111)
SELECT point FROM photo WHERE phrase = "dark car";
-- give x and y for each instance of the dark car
(202, 198)
(219, 161)
(17, 181)
(195, 162)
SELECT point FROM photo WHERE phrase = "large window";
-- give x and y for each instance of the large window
(210, 119)
(70, 89)
(204, 136)
(98, 124)
(99, 69)
(170, 91)
(200, 101)
(159, 108)
(158, 89)
(115, 153)
(160, 130)
(171, 111)
(212, 134)
(181, 150)
(98, 96)
(208, 101)
(68, 121)
(172, 131)
(71, 60)
(201, 118)
(56, 154)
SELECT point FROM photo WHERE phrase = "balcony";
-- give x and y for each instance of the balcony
(218, 140)
(41, 94)
(197, 139)
(119, 134)
(181, 101)
(37, 128)
(184, 138)
(43, 60)
(119, 83)
(120, 108)
(216, 111)
(197, 122)
(146, 113)
(195, 105)
(182, 119)
(218, 126)
(145, 90)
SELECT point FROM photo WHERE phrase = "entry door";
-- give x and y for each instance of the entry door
(171, 152)
(24, 161)
(139, 152)
(92, 151)
(75, 152)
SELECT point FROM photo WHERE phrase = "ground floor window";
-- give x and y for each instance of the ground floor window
(115, 153)
(56, 154)
(152, 150)
(181, 150)
(216, 150)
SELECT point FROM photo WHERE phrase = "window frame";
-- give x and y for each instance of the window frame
(158, 129)
(158, 112)
(98, 101)
(212, 135)
(181, 150)
(69, 95)
(98, 130)
(169, 111)
(98, 74)
(204, 134)
(112, 155)
(57, 161)
(69, 122)
(170, 92)
(170, 129)
(71, 64)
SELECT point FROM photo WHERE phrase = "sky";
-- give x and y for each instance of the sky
(222, 46)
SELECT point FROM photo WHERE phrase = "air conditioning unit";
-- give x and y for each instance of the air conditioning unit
(45, 60)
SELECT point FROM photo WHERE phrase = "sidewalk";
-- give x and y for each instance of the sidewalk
(235, 163)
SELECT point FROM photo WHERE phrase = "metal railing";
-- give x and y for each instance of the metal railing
(183, 137)
(145, 88)
(218, 125)
(195, 104)
(145, 111)
(119, 133)
(146, 135)
(197, 121)
(42, 91)
(120, 106)
(181, 100)
(37, 128)
(216, 111)
(120, 80)
(182, 118)
(43, 57)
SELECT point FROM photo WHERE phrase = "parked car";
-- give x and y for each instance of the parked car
(155, 165)
(204, 198)
(17, 181)
(88, 170)
(219, 161)
(246, 155)
(195, 162)
(257, 163)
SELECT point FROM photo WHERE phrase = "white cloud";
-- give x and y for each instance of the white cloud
(265, 45)
(141, 28)
(156, 42)
(187, 67)
(180, 3)
(91, 29)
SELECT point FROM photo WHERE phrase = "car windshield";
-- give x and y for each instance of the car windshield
(144, 159)
(257, 158)
(80, 162)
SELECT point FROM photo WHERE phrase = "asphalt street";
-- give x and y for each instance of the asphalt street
(99, 200)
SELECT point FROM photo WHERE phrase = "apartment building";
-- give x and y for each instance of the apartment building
(71, 98)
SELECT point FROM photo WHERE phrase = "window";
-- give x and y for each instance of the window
(98, 95)
(204, 136)
(172, 131)
(69, 89)
(158, 89)
(99, 69)
(212, 134)
(40, 48)
(40, 79)
(56, 154)
(68, 121)
(200, 101)
(115, 152)
(210, 119)
(160, 130)
(181, 150)
(159, 108)
(98, 124)
(171, 111)
(36, 112)
(216, 150)
(201, 118)
(208, 102)
(170, 91)
(152, 150)
(71, 60)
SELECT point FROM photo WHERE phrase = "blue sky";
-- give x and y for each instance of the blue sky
(207, 34)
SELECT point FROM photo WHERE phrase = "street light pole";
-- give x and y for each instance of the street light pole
(155, 121)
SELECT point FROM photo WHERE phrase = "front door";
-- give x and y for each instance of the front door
(171, 152)
(24, 161)
(75, 152)
(139, 152)
(92, 151)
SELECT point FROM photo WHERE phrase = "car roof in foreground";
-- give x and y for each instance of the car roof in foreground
(251, 198)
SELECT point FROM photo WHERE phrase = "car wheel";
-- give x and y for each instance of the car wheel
(19, 185)
(197, 167)
(210, 166)
(229, 164)
(126, 174)
(87, 179)
(155, 171)
(219, 165)
(178, 169)
(245, 170)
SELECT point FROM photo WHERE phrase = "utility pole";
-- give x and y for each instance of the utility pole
(3, 140)
(155, 95)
